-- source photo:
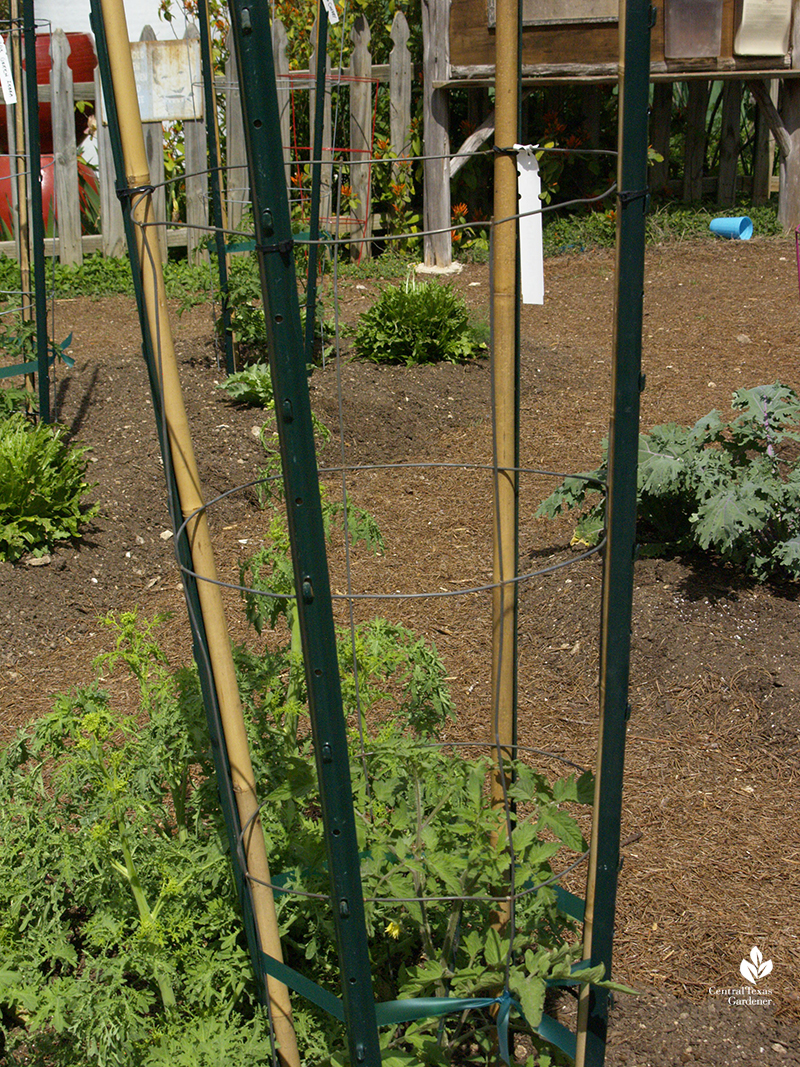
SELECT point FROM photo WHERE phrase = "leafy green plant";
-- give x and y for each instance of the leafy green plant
(119, 936)
(127, 949)
(251, 386)
(417, 322)
(41, 488)
(13, 400)
(724, 488)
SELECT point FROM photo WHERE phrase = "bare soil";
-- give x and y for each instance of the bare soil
(714, 736)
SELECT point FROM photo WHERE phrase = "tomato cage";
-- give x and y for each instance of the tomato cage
(343, 859)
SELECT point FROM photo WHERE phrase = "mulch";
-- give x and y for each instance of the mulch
(711, 758)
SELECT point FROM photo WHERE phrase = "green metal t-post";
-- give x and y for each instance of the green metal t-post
(36, 220)
(636, 18)
(212, 148)
(252, 40)
(316, 178)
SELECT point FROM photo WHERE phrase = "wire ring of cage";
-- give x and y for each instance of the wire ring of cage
(430, 595)
(478, 899)
(331, 242)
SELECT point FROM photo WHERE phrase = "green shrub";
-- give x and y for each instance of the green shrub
(726, 489)
(417, 323)
(41, 488)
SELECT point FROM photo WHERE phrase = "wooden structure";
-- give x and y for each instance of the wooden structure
(295, 94)
(736, 42)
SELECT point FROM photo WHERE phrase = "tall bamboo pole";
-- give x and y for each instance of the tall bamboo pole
(191, 499)
(504, 362)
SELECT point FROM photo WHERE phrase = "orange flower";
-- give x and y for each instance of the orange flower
(459, 212)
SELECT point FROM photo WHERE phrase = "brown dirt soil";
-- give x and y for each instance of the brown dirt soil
(711, 761)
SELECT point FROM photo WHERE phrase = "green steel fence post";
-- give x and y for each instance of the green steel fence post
(217, 216)
(36, 221)
(252, 41)
(635, 25)
(316, 179)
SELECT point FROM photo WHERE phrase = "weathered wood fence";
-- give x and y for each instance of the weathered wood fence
(296, 93)
(355, 87)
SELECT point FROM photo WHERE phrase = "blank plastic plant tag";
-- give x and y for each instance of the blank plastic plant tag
(6, 77)
(333, 14)
(530, 225)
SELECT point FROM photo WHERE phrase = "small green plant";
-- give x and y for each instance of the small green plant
(724, 488)
(41, 488)
(417, 322)
(14, 400)
(251, 386)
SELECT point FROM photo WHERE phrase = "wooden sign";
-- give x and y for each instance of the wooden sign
(558, 12)
(169, 81)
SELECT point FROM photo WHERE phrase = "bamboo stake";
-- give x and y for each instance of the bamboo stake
(191, 499)
(504, 296)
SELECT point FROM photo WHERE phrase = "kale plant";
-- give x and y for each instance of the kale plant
(728, 489)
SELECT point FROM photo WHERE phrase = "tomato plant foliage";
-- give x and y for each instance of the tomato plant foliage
(121, 942)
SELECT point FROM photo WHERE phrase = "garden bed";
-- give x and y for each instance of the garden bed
(715, 728)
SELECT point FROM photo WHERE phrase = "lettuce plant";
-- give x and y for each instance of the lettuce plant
(41, 488)
(417, 323)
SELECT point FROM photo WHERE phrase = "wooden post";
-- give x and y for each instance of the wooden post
(195, 147)
(112, 227)
(660, 121)
(763, 150)
(361, 131)
(502, 731)
(695, 149)
(789, 195)
(327, 126)
(154, 145)
(190, 493)
(400, 89)
(786, 131)
(237, 183)
(729, 143)
(65, 151)
(280, 57)
(436, 138)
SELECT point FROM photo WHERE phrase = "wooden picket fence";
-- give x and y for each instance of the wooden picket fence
(352, 163)
(296, 96)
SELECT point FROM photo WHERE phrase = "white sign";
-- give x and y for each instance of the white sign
(6, 77)
(529, 186)
(333, 14)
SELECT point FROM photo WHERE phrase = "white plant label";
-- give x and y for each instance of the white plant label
(6, 77)
(529, 186)
(333, 14)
